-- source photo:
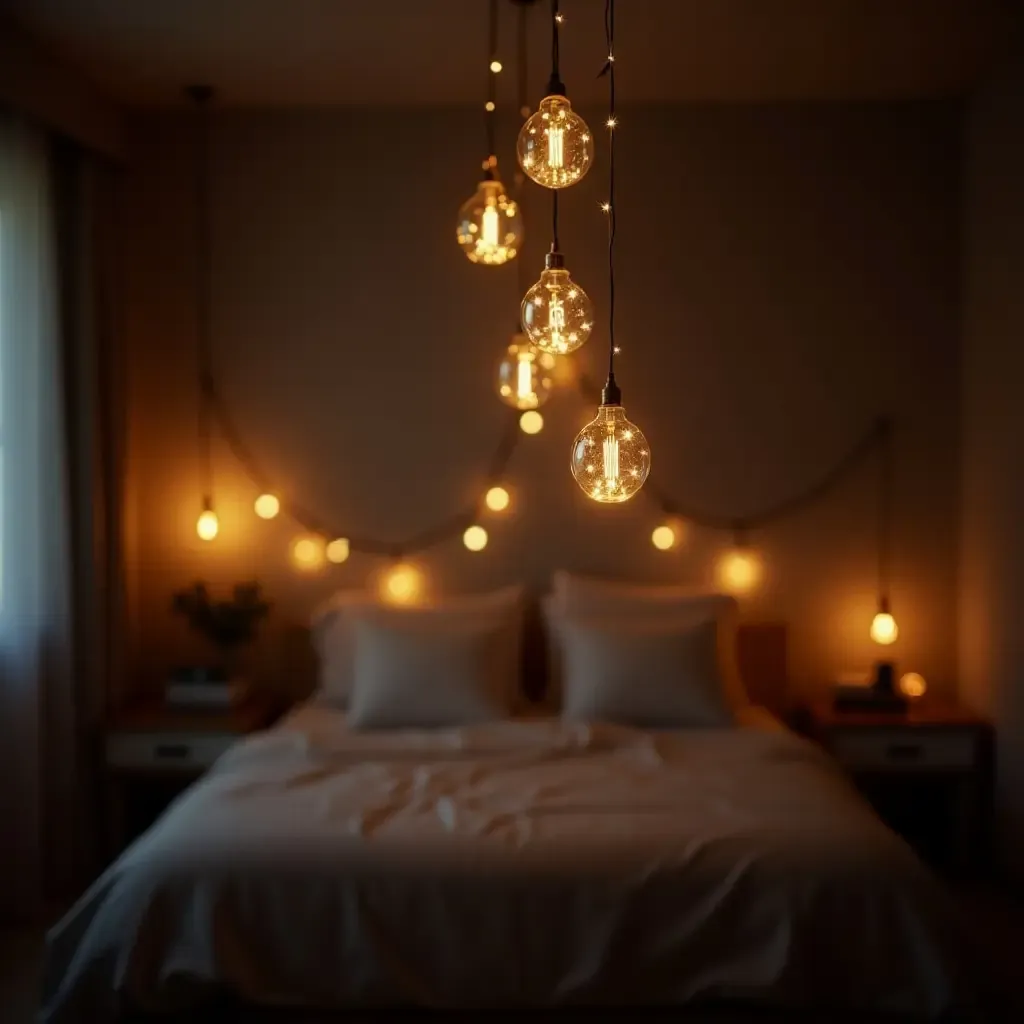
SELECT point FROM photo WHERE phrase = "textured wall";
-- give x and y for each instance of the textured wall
(786, 274)
(992, 606)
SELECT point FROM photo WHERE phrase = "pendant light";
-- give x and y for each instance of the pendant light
(610, 456)
(489, 227)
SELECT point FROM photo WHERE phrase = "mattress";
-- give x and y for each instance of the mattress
(523, 863)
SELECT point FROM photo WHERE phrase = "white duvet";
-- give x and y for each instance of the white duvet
(520, 863)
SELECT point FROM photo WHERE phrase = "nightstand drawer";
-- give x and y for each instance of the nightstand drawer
(890, 749)
(166, 750)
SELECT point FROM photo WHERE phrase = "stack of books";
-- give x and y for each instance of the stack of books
(198, 689)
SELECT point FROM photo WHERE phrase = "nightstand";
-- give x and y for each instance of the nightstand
(927, 772)
(152, 753)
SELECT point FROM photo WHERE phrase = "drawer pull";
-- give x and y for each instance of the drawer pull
(903, 751)
(172, 751)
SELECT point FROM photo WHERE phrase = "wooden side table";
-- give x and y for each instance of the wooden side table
(152, 753)
(927, 771)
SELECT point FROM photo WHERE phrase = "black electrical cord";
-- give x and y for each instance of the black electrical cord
(611, 394)
(522, 78)
(555, 87)
(492, 86)
(885, 480)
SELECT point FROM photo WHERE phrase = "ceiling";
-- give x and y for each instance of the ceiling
(329, 52)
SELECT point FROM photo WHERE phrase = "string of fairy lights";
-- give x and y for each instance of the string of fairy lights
(610, 458)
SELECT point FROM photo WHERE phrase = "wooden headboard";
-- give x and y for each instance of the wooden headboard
(762, 658)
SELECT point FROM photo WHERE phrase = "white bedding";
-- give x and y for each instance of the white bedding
(519, 863)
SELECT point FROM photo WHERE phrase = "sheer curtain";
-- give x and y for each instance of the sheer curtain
(40, 756)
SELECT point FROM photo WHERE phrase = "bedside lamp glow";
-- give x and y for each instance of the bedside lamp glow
(267, 506)
(207, 525)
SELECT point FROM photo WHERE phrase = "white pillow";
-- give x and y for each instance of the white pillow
(423, 671)
(654, 675)
(630, 602)
(335, 643)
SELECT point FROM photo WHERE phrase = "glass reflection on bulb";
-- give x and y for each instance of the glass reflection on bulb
(556, 312)
(555, 146)
(610, 456)
(523, 382)
(490, 226)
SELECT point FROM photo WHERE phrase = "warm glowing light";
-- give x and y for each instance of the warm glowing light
(556, 313)
(401, 584)
(611, 122)
(267, 506)
(884, 630)
(610, 456)
(338, 550)
(913, 685)
(555, 147)
(497, 499)
(606, 207)
(207, 525)
(531, 422)
(489, 106)
(739, 571)
(664, 537)
(308, 553)
(490, 226)
(496, 66)
(523, 381)
(475, 538)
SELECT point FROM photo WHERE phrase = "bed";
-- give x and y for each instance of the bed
(524, 863)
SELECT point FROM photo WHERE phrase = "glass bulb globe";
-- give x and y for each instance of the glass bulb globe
(531, 422)
(267, 506)
(490, 226)
(523, 382)
(207, 525)
(913, 685)
(884, 630)
(555, 146)
(610, 456)
(557, 313)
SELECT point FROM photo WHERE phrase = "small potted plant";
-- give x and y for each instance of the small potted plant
(227, 624)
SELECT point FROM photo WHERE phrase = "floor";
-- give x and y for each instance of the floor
(995, 919)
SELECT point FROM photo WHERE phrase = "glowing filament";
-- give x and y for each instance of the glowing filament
(490, 227)
(556, 148)
(556, 322)
(524, 377)
(611, 462)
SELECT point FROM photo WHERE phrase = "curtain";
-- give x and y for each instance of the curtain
(60, 577)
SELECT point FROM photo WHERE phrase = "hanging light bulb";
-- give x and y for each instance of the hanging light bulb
(739, 571)
(490, 225)
(557, 314)
(668, 535)
(402, 584)
(475, 538)
(497, 499)
(207, 525)
(610, 456)
(267, 506)
(523, 382)
(884, 630)
(555, 146)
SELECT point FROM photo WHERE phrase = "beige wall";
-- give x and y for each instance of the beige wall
(992, 599)
(786, 274)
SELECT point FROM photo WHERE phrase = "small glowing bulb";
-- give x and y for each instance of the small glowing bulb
(611, 122)
(338, 550)
(308, 553)
(489, 106)
(739, 571)
(554, 146)
(913, 685)
(559, 18)
(664, 537)
(267, 506)
(401, 584)
(497, 499)
(531, 422)
(489, 227)
(625, 459)
(496, 66)
(606, 207)
(522, 382)
(884, 630)
(475, 538)
(207, 525)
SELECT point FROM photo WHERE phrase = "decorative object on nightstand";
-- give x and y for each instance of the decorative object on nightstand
(153, 752)
(228, 626)
(926, 770)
